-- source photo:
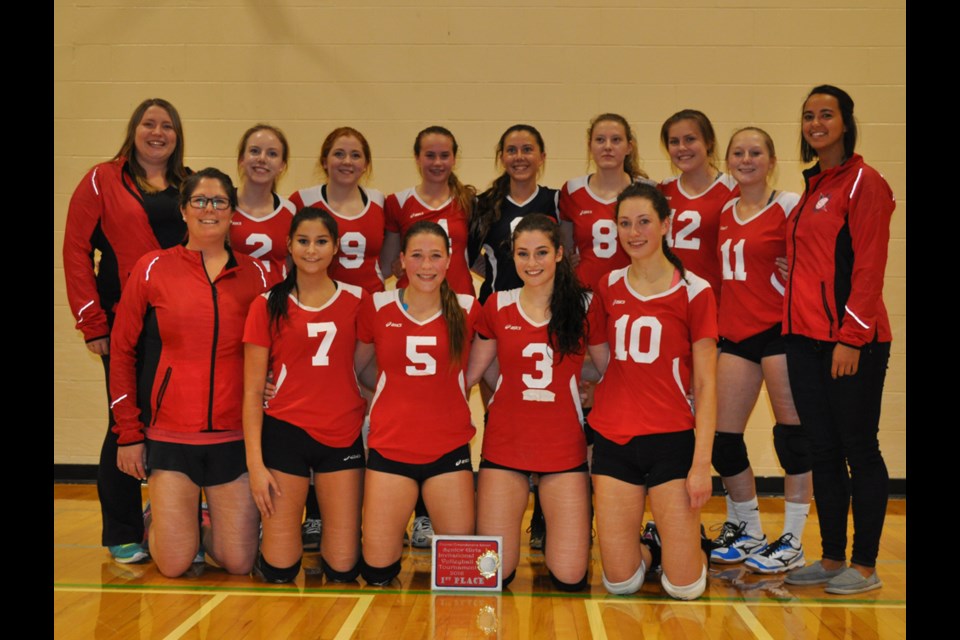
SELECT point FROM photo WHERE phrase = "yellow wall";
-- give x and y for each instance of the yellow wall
(389, 68)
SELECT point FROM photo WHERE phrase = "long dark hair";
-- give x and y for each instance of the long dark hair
(176, 172)
(450, 307)
(661, 206)
(849, 122)
(462, 193)
(490, 202)
(279, 295)
(567, 326)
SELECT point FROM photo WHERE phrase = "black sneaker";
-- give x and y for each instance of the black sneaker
(310, 532)
(538, 531)
(651, 538)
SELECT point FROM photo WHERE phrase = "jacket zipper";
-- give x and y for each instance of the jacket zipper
(160, 394)
(213, 354)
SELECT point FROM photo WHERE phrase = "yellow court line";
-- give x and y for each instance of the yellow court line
(200, 614)
(597, 630)
(353, 620)
(751, 621)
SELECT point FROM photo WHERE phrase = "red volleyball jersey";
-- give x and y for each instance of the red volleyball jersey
(751, 299)
(419, 410)
(695, 223)
(594, 230)
(404, 208)
(311, 358)
(644, 389)
(535, 421)
(264, 238)
(361, 238)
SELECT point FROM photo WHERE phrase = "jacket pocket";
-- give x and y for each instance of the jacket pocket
(826, 306)
(160, 394)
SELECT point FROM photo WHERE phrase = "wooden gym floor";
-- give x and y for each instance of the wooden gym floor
(97, 598)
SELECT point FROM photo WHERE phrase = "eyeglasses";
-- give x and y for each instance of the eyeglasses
(201, 202)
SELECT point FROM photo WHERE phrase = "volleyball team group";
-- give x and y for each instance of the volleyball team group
(247, 337)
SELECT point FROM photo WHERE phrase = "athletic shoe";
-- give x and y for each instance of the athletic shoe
(204, 515)
(780, 556)
(850, 582)
(130, 553)
(742, 546)
(728, 533)
(201, 556)
(537, 531)
(651, 538)
(812, 574)
(310, 532)
(422, 535)
(147, 519)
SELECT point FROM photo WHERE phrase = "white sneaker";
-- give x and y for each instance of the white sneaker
(422, 536)
(743, 545)
(784, 554)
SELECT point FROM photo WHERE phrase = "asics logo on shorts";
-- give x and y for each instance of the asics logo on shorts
(460, 462)
(351, 457)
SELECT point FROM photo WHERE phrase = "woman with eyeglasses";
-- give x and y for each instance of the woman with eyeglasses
(179, 418)
(122, 208)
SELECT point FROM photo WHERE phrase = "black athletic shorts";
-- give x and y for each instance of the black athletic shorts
(487, 464)
(207, 465)
(645, 460)
(288, 448)
(456, 460)
(756, 347)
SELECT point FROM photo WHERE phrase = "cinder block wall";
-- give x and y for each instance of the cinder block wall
(391, 67)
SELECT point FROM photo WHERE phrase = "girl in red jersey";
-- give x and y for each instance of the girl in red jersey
(838, 337)
(752, 236)
(259, 228)
(440, 197)
(420, 427)
(304, 332)
(536, 333)
(179, 417)
(653, 333)
(587, 203)
(122, 208)
(345, 160)
(697, 195)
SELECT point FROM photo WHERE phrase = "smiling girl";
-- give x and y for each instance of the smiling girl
(697, 195)
(753, 229)
(586, 203)
(345, 160)
(420, 427)
(653, 336)
(259, 228)
(536, 334)
(440, 197)
(304, 332)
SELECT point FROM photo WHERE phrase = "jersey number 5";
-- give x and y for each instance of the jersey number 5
(630, 346)
(423, 364)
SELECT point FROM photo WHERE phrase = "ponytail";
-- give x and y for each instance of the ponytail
(455, 320)
(489, 205)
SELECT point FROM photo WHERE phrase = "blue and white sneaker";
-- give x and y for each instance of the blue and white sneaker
(783, 555)
(130, 553)
(742, 546)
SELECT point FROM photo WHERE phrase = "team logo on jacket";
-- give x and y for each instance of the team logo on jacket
(822, 202)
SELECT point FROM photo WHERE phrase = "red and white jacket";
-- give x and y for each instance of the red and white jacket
(190, 390)
(104, 214)
(837, 240)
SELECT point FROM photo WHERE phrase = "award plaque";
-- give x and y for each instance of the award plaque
(466, 563)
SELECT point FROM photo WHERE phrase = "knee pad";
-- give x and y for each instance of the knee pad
(559, 585)
(274, 574)
(793, 448)
(379, 576)
(689, 592)
(340, 576)
(505, 581)
(729, 454)
(628, 586)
